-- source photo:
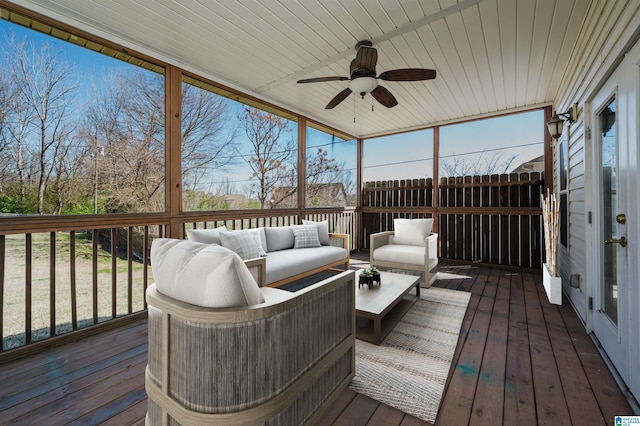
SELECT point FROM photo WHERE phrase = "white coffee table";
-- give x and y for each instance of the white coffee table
(379, 308)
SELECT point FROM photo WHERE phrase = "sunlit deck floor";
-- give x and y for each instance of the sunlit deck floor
(519, 361)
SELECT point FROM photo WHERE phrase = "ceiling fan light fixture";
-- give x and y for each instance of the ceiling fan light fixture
(363, 85)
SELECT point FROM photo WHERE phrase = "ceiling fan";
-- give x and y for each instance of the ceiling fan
(363, 77)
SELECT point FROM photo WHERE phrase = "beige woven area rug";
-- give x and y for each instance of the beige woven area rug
(409, 369)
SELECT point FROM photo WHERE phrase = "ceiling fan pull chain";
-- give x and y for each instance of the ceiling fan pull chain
(354, 108)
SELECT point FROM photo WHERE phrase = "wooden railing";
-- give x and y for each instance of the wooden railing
(492, 219)
(70, 278)
(60, 275)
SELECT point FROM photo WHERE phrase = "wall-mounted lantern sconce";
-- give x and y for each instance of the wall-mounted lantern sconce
(557, 121)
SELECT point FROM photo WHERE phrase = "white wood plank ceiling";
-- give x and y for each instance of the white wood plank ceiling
(492, 56)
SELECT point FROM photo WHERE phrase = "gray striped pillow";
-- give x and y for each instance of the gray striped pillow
(306, 236)
(246, 244)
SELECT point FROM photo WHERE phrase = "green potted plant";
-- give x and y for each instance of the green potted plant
(366, 277)
(375, 275)
(369, 276)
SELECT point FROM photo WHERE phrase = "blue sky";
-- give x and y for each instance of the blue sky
(403, 156)
(410, 155)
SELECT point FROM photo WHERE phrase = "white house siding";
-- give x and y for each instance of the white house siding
(610, 30)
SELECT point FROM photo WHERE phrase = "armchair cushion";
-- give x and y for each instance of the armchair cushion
(400, 253)
(202, 274)
(411, 231)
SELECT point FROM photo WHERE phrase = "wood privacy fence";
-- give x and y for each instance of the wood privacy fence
(491, 218)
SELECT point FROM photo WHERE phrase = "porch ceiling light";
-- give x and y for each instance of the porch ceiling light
(363, 85)
(556, 123)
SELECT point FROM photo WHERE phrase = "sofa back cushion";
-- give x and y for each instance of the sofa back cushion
(202, 274)
(279, 238)
(411, 231)
(209, 236)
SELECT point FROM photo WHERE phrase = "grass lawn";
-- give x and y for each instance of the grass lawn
(15, 286)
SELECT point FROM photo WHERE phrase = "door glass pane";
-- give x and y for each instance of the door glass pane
(607, 121)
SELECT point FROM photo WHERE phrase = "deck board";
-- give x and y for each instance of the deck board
(519, 360)
(551, 405)
(489, 399)
(519, 399)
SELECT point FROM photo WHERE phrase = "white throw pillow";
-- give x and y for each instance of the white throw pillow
(323, 230)
(209, 236)
(202, 274)
(246, 243)
(306, 236)
(411, 231)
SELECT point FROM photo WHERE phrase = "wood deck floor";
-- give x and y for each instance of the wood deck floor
(519, 361)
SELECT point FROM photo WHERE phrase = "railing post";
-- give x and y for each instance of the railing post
(173, 143)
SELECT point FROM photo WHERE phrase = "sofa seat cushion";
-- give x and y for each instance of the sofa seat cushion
(287, 263)
(400, 253)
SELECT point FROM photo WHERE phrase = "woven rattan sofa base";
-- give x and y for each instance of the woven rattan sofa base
(282, 363)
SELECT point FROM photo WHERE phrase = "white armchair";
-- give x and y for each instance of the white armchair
(389, 252)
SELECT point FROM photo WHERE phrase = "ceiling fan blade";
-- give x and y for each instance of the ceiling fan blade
(338, 98)
(384, 96)
(408, 74)
(366, 58)
(322, 79)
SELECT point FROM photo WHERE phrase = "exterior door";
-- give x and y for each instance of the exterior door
(615, 211)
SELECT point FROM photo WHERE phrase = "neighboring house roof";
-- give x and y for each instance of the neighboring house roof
(533, 165)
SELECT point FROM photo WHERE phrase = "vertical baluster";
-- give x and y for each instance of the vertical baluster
(114, 273)
(130, 270)
(145, 266)
(2, 261)
(94, 267)
(27, 316)
(52, 284)
(72, 279)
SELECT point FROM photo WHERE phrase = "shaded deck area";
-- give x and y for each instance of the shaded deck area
(519, 360)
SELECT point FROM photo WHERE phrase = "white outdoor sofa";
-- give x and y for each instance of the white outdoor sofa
(282, 361)
(282, 262)
(386, 253)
